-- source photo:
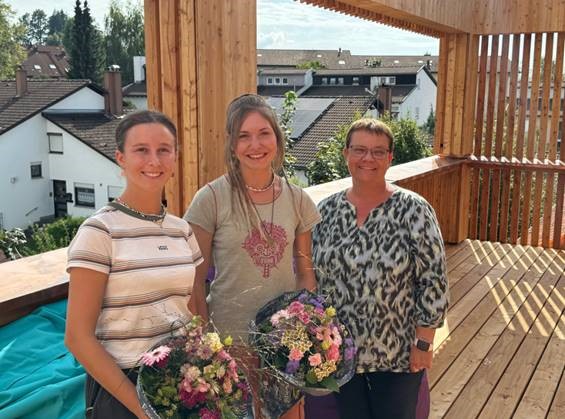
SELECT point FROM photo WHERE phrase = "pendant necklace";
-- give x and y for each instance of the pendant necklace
(268, 234)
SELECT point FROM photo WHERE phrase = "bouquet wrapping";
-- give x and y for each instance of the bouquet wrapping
(300, 339)
(192, 376)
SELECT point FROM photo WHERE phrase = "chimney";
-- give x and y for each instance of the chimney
(339, 52)
(21, 82)
(113, 96)
(384, 95)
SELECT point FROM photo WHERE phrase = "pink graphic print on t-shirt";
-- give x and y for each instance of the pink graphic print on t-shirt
(264, 254)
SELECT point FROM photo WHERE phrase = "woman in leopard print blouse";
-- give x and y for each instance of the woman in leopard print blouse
(380, 258)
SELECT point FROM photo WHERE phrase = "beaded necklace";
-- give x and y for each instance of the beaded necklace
(266, 188)
(155, 218)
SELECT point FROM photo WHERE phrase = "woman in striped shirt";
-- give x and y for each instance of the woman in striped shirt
(131, 268)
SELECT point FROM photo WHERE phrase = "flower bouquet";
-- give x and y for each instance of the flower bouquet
(299, 337)
(192, 376)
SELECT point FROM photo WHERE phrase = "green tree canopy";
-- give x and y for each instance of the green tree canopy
(86, 54)
(124, 36)
(56, 27)
(11, 36)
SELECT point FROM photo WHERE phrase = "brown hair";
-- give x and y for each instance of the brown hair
(142, 117)
(237, 111)
(372, 126)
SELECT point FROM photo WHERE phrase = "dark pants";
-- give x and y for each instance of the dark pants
(102, 405)
(380, 395)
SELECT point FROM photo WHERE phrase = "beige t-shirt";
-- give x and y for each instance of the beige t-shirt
(249, 271)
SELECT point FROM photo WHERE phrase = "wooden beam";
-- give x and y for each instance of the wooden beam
(200, 55)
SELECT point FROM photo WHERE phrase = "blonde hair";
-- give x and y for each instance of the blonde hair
(237, 112)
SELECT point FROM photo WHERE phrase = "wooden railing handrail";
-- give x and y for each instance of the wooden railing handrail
(515, 163)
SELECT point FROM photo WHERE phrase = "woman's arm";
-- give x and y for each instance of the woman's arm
(305, 277)
(197, 303)
(86, 292)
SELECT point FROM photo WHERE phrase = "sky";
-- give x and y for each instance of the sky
(287, 24)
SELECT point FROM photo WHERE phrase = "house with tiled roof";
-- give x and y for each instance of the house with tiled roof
(56, 148)
(46, 61)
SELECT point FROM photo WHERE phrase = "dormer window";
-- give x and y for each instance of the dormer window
(37, 66)
(342, 62)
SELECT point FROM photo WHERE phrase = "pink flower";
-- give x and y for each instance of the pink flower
(333, 353)
(295, 307)
(304, 317)
(209, 414)
(315, 359)
(295, 354)
(157, 356)
(223, 356)
(227, 386)
(276, 318)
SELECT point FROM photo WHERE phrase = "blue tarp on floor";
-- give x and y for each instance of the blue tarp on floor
(39, 378)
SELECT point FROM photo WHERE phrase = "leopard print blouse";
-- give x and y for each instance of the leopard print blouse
(384, 278)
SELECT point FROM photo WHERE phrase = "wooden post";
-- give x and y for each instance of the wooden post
(200, 54)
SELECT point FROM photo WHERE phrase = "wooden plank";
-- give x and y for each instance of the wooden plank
(537, 201)
(470, 92)
(509, 141)
(449, 95)
(463, 389)
(530, 147)
(514, 381)
(508, 291)
(188, 96)
(453, 249)
(557, 410)
(494, 266)
(494, 205)
(461, 209)
(440, 98)
(536, 401)
(474, 204)
(470, 256)
(484, 207)
(558, 243)
(524, 80)
(501, 97)
(556, 106)
(153, 52)
(547, 87)
(460, 70)
(491, 99)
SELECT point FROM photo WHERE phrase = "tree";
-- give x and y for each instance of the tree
(124, 36)
(287, 115)
(24, 23)
(314, 65)
(410, 142)
(56, 27)
(38, 26)
(86, 58)
(11, 36)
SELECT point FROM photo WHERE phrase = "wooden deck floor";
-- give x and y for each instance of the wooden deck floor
(501, 353)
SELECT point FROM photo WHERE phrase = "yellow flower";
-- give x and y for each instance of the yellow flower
(326, 345)
(324, 370)
(228, 341)
(213, 341)
(330, 311)
(296, 339)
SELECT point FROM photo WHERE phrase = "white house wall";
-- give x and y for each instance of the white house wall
(84, 99)
(421, 99)
(79, 163)
(24, 200)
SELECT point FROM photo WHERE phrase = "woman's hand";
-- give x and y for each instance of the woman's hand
(420, 359)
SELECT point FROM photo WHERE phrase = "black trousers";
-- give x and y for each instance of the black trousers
(102, 405)
(380, 395)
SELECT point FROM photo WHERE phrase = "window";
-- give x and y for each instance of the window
(277, 80)
(340, 80)
(285, 81)
(332, 80)
(391, 80)
(52, 66)
(324, 80)
(341, 62)
(55, 142)
(355, 81)
(114, 192)
(84, 195)
(269, 80)
(37, 66)
(35, 170)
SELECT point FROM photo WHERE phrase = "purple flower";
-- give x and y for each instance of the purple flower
(350, 353)
(302, 297)
(292, 367)
(349, 342)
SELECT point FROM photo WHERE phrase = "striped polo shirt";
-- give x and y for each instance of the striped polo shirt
(150, 271)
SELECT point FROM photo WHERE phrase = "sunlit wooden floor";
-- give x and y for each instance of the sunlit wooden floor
(501, 353)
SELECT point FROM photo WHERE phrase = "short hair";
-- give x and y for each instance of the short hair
(373, 126)
(142, 117)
